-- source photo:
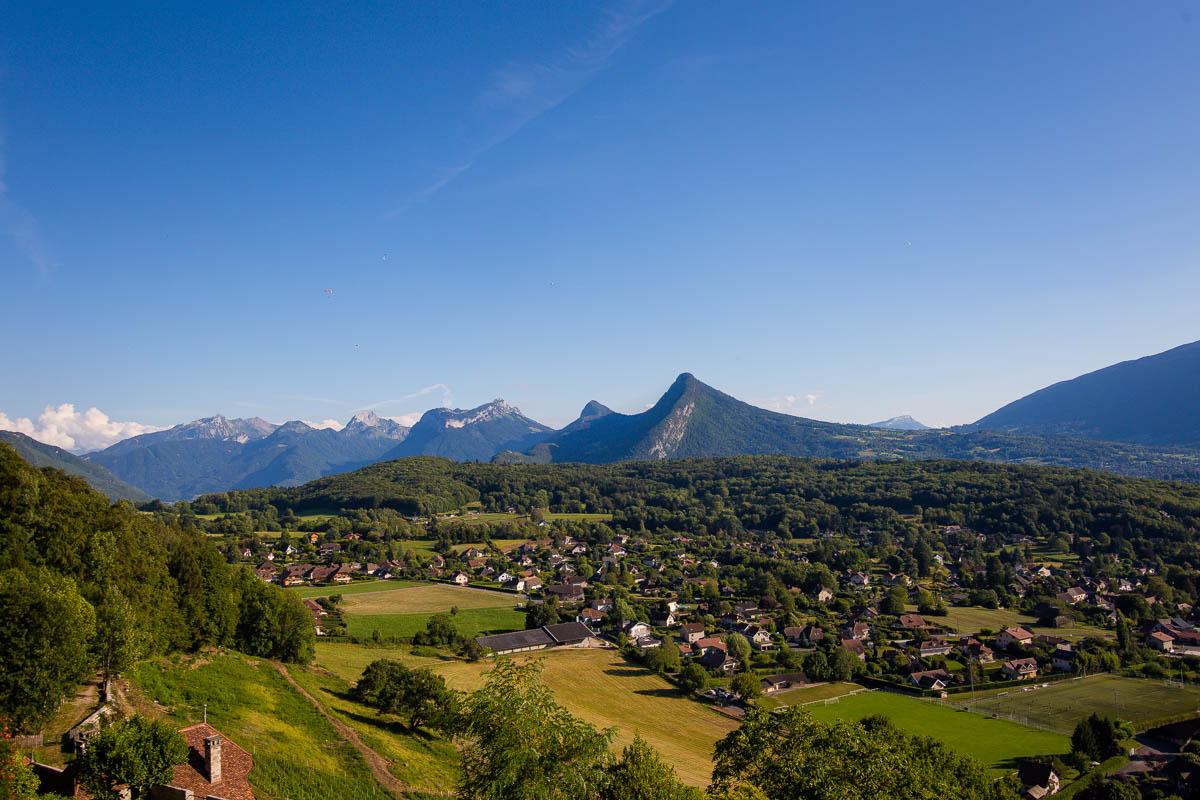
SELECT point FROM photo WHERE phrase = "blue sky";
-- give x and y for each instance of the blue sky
(846, 211)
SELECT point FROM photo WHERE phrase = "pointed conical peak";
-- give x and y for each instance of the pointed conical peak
(366, 419)
(594, 409)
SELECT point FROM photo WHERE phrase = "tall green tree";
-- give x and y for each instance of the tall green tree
(136, 752)
(788, 755)
(641, 774)
(519, 744)
(46, 629)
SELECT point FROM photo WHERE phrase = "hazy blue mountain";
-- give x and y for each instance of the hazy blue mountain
(39, 454)
(475, 434)
(590, 413)
(901, 423)
(695, 420)
(1153, 400)
(215, 454)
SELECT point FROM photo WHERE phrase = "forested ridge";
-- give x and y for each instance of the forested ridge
(792, 497)
(87, 586)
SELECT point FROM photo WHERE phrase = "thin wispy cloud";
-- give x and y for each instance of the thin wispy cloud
(522, 91)
(21, 226)
(793, 403)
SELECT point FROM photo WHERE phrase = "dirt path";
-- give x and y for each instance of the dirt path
(377, 763)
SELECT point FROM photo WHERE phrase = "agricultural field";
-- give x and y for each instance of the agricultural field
(251, 703)
(403, 610)
(470, 622)
(427, 598)
(597, 685)
(1062, 704)
(971, 619)
(996, 743)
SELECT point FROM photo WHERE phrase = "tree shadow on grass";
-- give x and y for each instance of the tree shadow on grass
(394, 726)
(663, 692)
(627, 672)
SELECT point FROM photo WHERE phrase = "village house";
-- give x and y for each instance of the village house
(1014, 635)
(936, 679)
(718, 660)
(856, 647)
(933, 646)
(1063, 659)
(857, 630)
(823, 595)
(1038, 780)
(461, 579)
(635, 630)
(860, 580)
(590, 616)
(1020, 669)
(773, 684)
(529, 583)
(691, 632)
(912, 622)
(215, 768)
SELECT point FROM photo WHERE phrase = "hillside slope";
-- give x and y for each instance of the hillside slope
(1153, 400)
(39, 455)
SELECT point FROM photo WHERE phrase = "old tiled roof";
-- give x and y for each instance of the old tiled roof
(235, 766)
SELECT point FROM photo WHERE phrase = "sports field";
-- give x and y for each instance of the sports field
(1060, 705)
(994, 742)
(596, 685)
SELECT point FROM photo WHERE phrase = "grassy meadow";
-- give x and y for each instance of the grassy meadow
(597, 685)
(971, 619)
(469, 622)
(994, 742)
(297, 754)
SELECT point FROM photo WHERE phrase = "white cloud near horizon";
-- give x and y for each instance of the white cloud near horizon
(522, 91)
(77, 431)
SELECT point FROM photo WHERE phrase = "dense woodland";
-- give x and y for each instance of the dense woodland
(87, 587)
(784, 497)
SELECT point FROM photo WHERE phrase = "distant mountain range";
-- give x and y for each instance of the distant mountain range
(46, 455)
(902, 423)
(1135, 418)
(476, 434)
(694, 420)
(1153, 401)
(215, 454)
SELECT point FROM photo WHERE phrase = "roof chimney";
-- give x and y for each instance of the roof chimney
(212, 757)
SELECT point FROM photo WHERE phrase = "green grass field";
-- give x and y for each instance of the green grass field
(404, 608)
(414, 598)
(359, 587)
(470, 622)
(995, 743)
(1062, 704)
(297, 754)
(597, 685)
(971, 619)
(804, 695)
(428, 764)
